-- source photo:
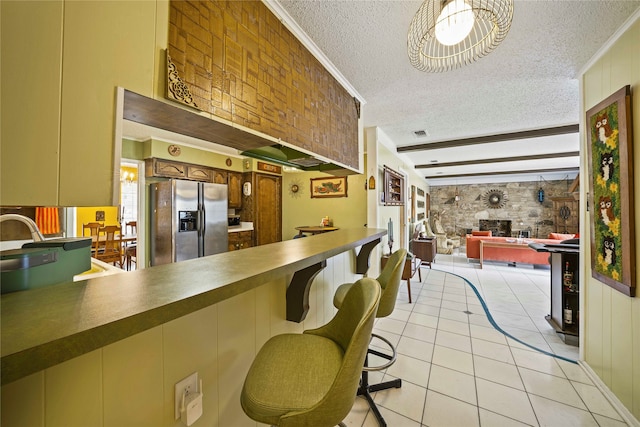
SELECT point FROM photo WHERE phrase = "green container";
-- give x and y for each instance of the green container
(40, 264)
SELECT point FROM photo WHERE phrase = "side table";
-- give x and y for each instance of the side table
(411, 265)
(425, 249)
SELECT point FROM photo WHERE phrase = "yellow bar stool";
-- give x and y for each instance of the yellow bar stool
(310, 379)
(389, 280)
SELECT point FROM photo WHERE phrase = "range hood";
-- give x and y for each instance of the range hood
(287, 156)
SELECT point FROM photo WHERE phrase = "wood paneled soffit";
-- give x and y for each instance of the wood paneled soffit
(161, 115)
(242, 65)
(488, 139)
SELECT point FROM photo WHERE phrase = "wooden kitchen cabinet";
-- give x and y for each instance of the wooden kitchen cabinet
(219, 176)
(240, 240)
(199, 173)
(165, 168)
(172, 169)
(235, 189)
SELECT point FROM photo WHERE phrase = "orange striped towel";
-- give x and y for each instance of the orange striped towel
(48, 220)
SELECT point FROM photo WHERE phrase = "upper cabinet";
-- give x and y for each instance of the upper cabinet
(165, 168)
(200, 173)
(30, 102)
(173, 169)
(58, 95)
(235, 189)
(219, 176)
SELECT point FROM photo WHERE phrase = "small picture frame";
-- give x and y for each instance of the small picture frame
(610, 143)
(329, 187)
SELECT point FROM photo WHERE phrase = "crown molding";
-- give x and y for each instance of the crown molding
(276, 8)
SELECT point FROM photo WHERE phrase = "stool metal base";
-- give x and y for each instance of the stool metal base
(366, 389)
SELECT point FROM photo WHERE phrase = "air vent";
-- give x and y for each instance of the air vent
(420, 133)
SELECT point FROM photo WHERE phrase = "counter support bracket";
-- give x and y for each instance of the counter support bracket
(362, 260)
(298, 291)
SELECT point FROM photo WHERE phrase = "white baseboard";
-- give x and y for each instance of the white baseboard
(626, 415)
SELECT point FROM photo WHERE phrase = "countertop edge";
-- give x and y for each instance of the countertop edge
(40, 353)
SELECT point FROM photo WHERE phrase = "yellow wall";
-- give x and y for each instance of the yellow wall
(300, 209)
(612, 320)
(88, 214)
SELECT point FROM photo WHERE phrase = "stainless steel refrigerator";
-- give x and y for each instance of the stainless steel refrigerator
(188, 220)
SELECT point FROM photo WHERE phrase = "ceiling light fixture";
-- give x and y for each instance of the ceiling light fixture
(447, 34)
(454, 22)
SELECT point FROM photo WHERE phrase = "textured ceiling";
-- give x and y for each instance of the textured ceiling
(529, 82)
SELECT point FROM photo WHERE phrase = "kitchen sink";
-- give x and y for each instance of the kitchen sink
(98, 269)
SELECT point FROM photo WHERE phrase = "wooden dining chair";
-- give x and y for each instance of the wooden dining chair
(111, 249)
(131, 227)
(91, 229)
(131, 249)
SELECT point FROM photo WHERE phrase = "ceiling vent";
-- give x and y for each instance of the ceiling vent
(420, 133)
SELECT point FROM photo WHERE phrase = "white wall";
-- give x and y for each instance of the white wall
(380, 152)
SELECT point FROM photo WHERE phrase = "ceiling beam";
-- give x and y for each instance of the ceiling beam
(501, 160)
(487, 139)
(513, 172)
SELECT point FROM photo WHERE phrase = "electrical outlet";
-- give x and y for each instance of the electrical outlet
(190, 384)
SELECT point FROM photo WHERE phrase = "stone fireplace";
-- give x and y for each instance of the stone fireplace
(516, 202)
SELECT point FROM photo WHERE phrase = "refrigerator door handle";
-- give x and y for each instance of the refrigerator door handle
(200, 221)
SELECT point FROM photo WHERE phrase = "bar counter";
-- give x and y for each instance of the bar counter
(47, 326)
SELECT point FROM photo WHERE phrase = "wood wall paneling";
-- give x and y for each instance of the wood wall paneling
(611, 346)
(241, 64)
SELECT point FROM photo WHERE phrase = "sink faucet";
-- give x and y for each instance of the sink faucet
(36, 235)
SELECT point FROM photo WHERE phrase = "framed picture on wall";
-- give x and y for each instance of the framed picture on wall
(610, 144)
(329, 187)
(418, 204)
(414, 210)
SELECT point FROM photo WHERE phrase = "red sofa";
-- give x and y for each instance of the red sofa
(529, 256)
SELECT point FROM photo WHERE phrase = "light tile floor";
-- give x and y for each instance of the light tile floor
(458, 370)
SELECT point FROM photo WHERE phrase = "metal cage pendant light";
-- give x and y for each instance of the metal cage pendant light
(447, 34)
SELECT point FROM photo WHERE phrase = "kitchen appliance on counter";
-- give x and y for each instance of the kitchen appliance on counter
(188, 220)
(44, 263)
(233, 220)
